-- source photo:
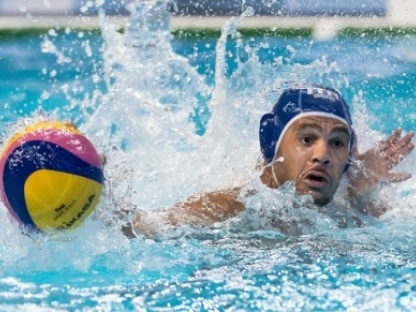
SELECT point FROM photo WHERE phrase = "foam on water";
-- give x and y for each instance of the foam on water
(145, 121)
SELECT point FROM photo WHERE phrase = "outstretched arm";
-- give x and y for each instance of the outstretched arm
(373, 168)
(198, 210)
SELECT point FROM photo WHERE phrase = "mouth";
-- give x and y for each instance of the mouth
(316, 179)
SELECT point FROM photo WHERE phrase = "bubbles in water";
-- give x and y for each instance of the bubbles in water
(249, 11)
(87, 48)
(87, 5)
(52, 32)
(149, 25)
(49, 47)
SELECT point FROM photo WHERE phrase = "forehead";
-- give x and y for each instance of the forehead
(320, 123)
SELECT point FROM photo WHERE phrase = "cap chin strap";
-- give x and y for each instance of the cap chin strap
(271, 164)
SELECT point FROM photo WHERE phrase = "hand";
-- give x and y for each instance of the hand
(373, 167)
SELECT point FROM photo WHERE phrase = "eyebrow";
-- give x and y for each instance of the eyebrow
(337, 128)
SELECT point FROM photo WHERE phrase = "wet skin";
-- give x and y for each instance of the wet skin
(313, 153)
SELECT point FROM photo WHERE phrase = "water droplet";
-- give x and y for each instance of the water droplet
(249, 11)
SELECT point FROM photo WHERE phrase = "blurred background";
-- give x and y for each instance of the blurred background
(266, 13)
(201, 7)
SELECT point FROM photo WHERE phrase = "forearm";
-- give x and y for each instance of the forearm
(199, 210)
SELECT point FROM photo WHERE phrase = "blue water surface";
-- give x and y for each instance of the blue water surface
(244, 264)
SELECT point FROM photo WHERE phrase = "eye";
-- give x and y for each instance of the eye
(338, 144)
(307, 140)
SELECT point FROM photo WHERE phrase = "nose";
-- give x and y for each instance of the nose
(321, 153)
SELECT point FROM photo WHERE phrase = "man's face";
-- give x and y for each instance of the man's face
(314, 153)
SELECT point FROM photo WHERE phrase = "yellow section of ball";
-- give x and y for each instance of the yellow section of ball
(59, 200)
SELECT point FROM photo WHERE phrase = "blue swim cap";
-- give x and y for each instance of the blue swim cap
(301, 101)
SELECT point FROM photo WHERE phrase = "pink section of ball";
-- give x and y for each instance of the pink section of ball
(78, 145)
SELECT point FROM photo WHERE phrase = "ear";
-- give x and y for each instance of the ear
(266, 136)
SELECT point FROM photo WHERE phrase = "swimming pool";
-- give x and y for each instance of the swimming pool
(182, 118)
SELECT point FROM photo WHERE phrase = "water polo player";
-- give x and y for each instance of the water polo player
(308, 139)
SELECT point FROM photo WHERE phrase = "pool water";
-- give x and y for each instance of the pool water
(182, 118)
